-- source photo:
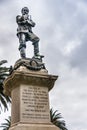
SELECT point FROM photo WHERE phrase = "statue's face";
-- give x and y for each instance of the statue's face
(25, 10)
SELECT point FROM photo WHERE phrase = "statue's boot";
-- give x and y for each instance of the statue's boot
(22, 48)
(36, 49)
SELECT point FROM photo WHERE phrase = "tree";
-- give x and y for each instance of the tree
(56, 119)
(4, 100)
(6, 125)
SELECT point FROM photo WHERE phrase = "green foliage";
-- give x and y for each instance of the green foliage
(56, 119)
(4, 100)
(6, 125)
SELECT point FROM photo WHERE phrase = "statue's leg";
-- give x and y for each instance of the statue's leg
(36, 48)
(35, 43)
(22, 45)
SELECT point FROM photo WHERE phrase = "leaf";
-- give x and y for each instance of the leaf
(4, 72)
(3, 61)
(7, 124)
(56, 119)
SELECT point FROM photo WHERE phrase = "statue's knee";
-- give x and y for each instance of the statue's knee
(38, 39)
(35, 40)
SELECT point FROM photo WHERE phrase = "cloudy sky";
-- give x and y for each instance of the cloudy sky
(62, 28)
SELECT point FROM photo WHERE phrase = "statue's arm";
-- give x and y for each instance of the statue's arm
(19, 19)
(30, 22)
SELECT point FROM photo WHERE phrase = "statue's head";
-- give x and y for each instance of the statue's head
(25, 10)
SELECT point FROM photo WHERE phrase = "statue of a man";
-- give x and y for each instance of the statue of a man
(24, 33)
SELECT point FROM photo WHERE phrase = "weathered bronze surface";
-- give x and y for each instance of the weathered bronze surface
(24, 33)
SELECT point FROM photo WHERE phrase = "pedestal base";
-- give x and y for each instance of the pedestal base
(28, 85)
(34, 127)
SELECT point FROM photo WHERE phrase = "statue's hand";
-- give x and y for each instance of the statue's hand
(30, 23)
(33, 23)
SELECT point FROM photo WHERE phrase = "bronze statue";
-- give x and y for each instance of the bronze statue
(24, 33)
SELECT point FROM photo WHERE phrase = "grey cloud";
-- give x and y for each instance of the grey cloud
(78, 57)
(72, 21)
(4, 1)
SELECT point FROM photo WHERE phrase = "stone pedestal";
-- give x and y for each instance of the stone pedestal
(30, 100)
(22, 126)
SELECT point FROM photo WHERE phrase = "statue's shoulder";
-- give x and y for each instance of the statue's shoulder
(18, 18)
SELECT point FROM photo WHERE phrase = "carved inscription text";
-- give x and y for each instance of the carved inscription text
(34, 104)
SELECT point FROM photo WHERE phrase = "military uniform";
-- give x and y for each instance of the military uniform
(24, 33)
